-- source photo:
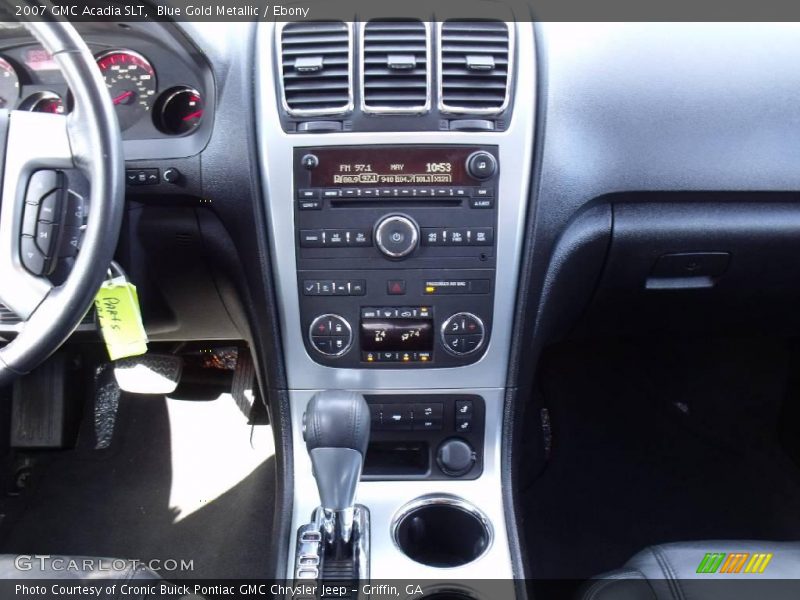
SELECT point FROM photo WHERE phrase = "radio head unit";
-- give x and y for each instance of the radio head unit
(395, 253)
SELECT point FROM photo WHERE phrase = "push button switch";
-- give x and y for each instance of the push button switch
(428, 417)
(397, 417)
(32, 258)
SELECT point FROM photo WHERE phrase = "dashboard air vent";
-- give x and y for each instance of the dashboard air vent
(475, 59)
(316, 67)
(7, 317)
(396, 67)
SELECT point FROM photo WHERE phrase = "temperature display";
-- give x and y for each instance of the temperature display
(397, 335)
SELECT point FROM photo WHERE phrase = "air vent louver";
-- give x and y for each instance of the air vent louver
(396, 67)
(316, 67)
(7, 317)
(475, 66)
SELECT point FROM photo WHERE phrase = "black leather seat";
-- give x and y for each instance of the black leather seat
(682, 571)
(84, 569)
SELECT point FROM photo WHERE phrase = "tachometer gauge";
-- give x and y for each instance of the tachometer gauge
(131, 81)
(48, 102)
(179, 110)
(9, 85)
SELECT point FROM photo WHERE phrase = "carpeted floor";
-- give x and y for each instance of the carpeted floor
(182, 480)
(661, 442)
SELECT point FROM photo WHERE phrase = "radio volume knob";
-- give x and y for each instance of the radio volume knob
(481, 165)
(397, 236)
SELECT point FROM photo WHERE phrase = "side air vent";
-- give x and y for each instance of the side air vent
(7, 317)
(316, 67)
(395, 68)
(475, 59)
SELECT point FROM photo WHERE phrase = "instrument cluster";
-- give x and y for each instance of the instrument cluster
(31, 80)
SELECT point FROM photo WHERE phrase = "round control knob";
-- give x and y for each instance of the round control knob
(397, 236)
(309, 161)
(172, 175)
(330, 335)
(481, 165)
(455, 457)
(463, 334)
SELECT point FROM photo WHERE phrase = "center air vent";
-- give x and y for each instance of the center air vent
(316, 62)
(475, 61)
(395, 73)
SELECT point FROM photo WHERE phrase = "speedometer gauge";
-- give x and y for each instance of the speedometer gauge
(131, 81)
(9, 85)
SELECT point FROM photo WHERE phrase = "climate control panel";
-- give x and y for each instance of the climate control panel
(395, 249)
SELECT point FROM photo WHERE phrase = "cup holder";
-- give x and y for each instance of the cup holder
(442, 531)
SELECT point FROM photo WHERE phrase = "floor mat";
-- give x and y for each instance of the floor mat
(658, 443)
(187, 481)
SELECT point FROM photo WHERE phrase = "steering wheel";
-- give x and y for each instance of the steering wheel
(34, 150)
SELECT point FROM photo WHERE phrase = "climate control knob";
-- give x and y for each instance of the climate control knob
(397, 236)
(330, 335)
(463, 334)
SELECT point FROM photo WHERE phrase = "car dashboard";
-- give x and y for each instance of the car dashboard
(413, 209)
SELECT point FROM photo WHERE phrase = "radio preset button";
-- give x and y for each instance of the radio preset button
(307, 194)
(311, 238)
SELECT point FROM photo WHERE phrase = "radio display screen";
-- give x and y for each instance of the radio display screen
(390, 166)
(396, 335)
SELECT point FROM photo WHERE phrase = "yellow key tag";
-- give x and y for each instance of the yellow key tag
(120, 318)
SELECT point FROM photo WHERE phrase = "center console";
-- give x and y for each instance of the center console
(396, 190)
(395, 250)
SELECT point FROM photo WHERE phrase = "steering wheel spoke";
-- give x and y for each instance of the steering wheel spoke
(37, 146)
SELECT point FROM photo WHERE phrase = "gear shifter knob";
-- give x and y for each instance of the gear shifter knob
(336, 431)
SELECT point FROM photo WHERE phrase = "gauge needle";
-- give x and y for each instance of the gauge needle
(122, 97)
(195, 115)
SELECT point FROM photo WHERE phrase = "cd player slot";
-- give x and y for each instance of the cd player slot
(394, 203)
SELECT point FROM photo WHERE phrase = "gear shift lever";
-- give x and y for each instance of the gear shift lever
(336, 431)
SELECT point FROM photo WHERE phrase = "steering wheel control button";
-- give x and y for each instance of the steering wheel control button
(46, 234)
(463, 334)
(330, 335)
(481, 165)
(32, 258)
(70, 242)
(455, 457)
(41, 184)
(397, 236)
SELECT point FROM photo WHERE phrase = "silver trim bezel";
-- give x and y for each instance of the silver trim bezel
(388, 110)
(443, 500)
(305, 112)
(444, 326)
(349, 335)
(451, 109)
